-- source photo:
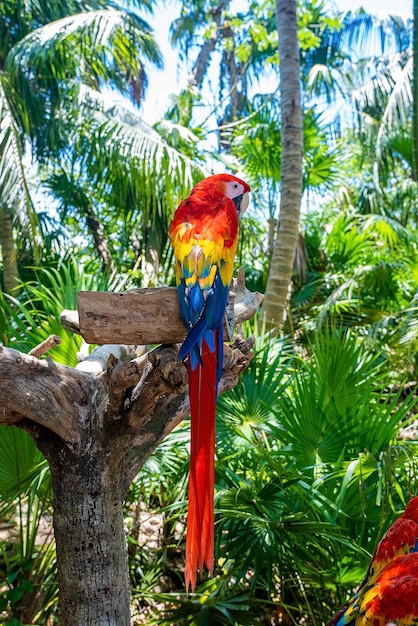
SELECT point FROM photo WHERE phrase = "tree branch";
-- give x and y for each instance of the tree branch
(50, 342)
(48, 393)
(140, 399)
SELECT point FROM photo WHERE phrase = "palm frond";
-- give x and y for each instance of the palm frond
(367, 34)
(397, 113)
(338, 404)
(47, 67)
(388, 229)
(94, 36)
(20, 461)
(13, 183)
(120, 139)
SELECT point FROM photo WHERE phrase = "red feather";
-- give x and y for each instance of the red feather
(401, 537)
(200, 520)
(389, 591)
(394, 595)
(204, 236)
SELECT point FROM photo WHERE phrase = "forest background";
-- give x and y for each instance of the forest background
(316, 446)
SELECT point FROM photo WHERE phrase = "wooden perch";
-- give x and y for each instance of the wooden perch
(132, 385)
(149, 316)
(98, 423)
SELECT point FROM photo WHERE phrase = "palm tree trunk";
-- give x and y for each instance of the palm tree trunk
(100, 242)
(10, 271)
(201, 64)
(291, 167)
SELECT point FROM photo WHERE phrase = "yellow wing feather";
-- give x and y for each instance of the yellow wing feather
(198, 258)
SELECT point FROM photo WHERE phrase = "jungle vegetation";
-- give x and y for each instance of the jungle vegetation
(316, 446)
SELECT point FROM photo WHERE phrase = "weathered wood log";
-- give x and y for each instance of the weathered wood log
(138, 316)
(60, 398)
(97, 360)
(150, 316)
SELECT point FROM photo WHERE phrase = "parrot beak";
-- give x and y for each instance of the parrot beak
(241, 202)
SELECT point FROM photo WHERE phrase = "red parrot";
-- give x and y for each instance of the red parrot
(204, 237)
(389, 591)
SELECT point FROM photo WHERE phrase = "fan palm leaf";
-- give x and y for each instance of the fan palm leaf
(20, 462)
(338, 404)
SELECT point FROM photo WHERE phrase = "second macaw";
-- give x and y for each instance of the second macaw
(204, 236)
(389, 591)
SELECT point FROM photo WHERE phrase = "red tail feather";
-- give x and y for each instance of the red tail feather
(200, 520)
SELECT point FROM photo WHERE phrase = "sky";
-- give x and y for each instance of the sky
(170, 80)
(373, 6)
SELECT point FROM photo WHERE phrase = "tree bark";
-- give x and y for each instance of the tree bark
(10, 271)
(201, 64)
(93, 573)
(96, 431)
(291, 167)
(99, 239)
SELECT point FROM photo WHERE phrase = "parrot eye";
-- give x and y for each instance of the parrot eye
(233, 189)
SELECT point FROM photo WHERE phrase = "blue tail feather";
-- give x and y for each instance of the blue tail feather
(192, 345)
(202, 312)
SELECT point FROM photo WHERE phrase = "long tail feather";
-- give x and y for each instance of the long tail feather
(200, 520)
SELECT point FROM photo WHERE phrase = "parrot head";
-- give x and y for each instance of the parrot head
(226, 185)
(411, 511)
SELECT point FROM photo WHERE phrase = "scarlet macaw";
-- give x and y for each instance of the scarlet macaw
(389, 591)
(204, 236)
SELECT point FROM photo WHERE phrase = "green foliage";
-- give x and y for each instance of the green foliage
(257, 143)
(30, 318)
(56, 62)
(312, 459)
(361, 272)
(27, 557)
(328, 428)
(339, 405)
(213, 605)
(310, 468)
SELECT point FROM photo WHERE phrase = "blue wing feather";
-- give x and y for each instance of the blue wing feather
(202, 312)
